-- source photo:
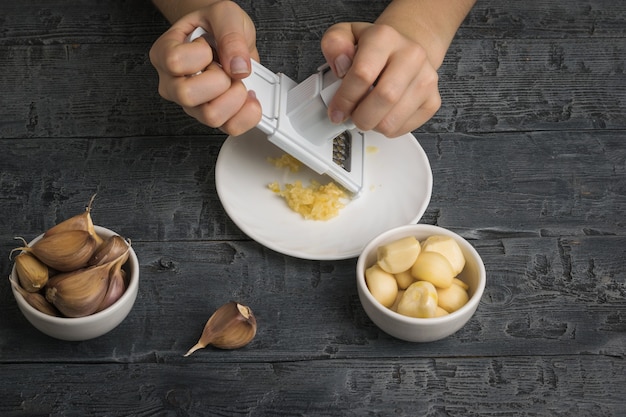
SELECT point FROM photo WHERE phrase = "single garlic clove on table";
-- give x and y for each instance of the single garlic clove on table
(232, 326)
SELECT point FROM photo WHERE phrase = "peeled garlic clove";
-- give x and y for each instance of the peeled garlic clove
(79, 293)
(434, 268)
(64, 251)
(398, 256)
(112, 248)
(31, 272)
(440, 312)
(36, 300)
(232, 326)
(419, 300)
(448, 247)
(452, 298)
(404, 279)
(382, 285)
(81, 221)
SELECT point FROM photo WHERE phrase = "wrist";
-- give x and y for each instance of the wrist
(430, 23)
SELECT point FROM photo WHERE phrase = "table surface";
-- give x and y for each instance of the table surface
(528, 155)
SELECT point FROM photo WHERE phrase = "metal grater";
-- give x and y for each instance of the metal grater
(295, 119)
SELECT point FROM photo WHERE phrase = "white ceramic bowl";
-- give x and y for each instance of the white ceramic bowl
(89, 327)
(418, 329)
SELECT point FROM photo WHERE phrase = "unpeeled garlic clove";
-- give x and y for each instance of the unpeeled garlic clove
(80, 221)
(112, 248)
(63, 251)
(232, 326)
(79, 293)
(117, 282)
(36, 300)
(31, 272)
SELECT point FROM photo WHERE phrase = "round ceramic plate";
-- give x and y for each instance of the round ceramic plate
(396, 191)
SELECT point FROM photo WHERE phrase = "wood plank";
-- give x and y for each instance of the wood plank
(544, 296)
(158, 188)
(101, 90)
(129, 22)
(520, 386)
(537, 19)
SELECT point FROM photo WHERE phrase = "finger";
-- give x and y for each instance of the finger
(367, 65)
(404, 84)
(412, 111)
(246, 118)
(217, 112)
(195, 90)
(172, 55)
(392, 87)
(339, 46)
(235, 37)
(421, 116)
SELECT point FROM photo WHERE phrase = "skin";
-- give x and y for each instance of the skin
(398, 54)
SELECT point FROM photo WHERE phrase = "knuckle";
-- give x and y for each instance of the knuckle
(183, 95)
(173, 62)
(211, 116)
(363, 124)
(387, 127)
(383, 31)
(365, 73)
(388, 93)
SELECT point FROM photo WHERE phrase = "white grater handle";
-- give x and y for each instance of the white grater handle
(294, 118)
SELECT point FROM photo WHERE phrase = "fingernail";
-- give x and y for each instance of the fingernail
(238, 65)
(336, 116)
(251, 94)
(342, 65)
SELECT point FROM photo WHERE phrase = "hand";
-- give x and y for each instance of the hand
(216, 96)
(389, 85)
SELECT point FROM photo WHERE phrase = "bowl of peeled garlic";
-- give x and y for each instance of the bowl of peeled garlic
(76, 285)
(420, 283)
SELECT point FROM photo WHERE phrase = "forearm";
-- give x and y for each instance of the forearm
(175, 9)
(432, 23)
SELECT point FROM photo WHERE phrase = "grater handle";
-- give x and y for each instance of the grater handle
(267, 87)
(294, 118)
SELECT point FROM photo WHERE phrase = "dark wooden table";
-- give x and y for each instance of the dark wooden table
(528, 154)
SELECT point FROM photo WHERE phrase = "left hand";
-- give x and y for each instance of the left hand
(389, 85)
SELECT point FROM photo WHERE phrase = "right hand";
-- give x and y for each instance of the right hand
(215, 97)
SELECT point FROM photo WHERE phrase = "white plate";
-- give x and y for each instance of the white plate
(397, 189)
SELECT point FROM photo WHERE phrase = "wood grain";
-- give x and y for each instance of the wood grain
(529, 164)
(521, 386)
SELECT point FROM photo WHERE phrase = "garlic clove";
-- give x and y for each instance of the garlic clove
(112, 248)
(36, 300)
(232, 326)
(64, 251)
(117, 287)
(79, 293)
(80, 221)
(31, 272)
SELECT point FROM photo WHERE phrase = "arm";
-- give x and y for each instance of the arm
(174, 10)
(432, 23)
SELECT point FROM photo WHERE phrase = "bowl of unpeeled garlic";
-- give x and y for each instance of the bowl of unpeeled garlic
(77, 281)
(420, 283)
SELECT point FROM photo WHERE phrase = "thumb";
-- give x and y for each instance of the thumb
(235, 38)
(339, 46)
